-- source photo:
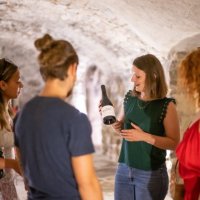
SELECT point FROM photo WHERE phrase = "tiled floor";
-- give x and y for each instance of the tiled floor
(105, 170)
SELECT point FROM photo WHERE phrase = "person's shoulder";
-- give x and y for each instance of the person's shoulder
(196, 120)
(165, 103)
(32, 100)
(166, 100)
(170, 99)
(75, 114)
(129, 93)
(28, 103)
(79, 116)
(129, 96)
(69, 108)
(162, 105)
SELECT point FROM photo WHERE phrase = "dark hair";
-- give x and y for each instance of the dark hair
(55, 58)
(155, 83)
(189, 74)
(7, 69)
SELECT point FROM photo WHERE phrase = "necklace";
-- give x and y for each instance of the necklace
(143, 105)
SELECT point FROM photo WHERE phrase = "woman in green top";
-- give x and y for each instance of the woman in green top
(149, 126)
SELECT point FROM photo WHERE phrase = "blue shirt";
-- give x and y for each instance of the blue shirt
(49, 132)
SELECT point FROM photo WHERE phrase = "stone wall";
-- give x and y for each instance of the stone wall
(185, 107)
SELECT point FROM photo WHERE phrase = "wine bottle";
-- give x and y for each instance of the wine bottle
(108, 113)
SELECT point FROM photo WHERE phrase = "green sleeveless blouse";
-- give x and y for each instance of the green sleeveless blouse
(149, 116)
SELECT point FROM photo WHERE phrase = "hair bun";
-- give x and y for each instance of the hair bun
(44, 42)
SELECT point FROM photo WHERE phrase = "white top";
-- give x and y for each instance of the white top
(6, 138)
(7, 144)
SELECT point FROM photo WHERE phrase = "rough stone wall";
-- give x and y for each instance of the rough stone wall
(93, 95)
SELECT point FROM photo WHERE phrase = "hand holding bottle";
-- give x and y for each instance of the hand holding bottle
(117, 126)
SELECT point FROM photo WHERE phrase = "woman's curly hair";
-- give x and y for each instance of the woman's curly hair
(189, 74)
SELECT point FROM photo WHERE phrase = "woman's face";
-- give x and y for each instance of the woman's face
(138, 78)
(13, 86)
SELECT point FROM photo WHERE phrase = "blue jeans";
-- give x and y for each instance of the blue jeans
(136, 184)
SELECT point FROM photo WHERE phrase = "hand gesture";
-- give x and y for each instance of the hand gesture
(133, 135)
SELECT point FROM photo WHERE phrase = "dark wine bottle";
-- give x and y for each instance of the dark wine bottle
(108, 113)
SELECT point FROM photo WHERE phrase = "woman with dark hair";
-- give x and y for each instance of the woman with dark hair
(188, 151)
(10, 86)
(149, 126)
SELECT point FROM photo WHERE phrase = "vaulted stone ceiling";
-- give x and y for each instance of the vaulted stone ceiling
(108, 33)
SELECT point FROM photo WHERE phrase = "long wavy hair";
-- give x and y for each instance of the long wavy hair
(189, 74)
(7, 69)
